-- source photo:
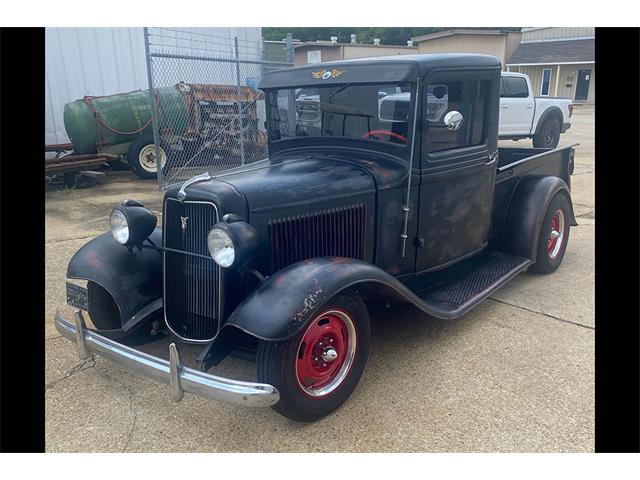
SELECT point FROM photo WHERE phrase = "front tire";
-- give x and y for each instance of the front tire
(549, 134)
(554, 236)
(317, 369)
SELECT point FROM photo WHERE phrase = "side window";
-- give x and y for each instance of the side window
(515, 87)
(469, 97)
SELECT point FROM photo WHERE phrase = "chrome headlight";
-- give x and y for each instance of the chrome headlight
(232, 243)
(221, 247)
(119, 226)
(131, 223)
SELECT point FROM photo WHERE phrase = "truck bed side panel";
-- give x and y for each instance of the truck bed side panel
(517, 164)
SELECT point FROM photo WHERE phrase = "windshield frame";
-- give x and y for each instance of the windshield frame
(392, 148)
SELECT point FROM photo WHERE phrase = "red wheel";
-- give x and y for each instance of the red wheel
(316, 370)
(375, 133)
(325, 353)
(554, 235)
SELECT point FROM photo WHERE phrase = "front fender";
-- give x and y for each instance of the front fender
(133, 280)
(284, 302)
(526, 214)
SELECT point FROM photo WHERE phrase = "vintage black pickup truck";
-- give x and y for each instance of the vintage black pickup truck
(370, 203)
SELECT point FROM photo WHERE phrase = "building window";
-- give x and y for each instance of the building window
(546, 81)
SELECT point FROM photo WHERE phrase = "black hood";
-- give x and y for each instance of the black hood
(297, 180)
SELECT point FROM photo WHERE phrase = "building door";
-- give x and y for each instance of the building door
(582, 87)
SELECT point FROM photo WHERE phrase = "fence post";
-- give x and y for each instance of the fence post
(240, 129)
(289, 48)
(154, 113)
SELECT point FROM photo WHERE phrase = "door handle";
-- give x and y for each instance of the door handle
(529, 106)
(504, 105)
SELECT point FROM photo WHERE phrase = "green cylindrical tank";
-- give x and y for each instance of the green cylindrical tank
(120, 117)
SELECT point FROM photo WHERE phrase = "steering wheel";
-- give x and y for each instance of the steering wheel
(376, 133)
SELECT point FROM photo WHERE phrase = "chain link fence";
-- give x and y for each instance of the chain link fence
(208, 114)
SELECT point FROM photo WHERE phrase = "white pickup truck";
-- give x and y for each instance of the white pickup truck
(524, 116)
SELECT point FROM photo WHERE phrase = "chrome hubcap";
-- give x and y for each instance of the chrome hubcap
(329, 355)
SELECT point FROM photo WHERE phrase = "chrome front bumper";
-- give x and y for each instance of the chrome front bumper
(180, 379)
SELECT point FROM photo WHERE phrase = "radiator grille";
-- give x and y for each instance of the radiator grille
(335, 232)
(192, 289)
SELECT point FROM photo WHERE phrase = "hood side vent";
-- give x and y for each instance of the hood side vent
(336, 232)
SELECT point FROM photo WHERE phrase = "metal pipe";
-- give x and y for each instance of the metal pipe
(218, 59)
(239, 101)
(405, 207)
(154, 113)
(80, 158)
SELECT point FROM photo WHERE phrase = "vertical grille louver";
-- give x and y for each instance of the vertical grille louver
(191, 293)
(335, 232)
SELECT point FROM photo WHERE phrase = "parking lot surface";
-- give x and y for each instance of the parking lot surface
(514, 374)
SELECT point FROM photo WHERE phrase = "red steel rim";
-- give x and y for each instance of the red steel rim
(556, 234)
(325, 353)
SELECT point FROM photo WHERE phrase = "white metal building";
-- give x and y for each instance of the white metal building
(103, 61)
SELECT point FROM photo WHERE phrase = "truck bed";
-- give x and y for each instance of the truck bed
(545, 161)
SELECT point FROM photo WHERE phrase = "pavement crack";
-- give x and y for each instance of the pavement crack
(85, 365)
(132, 410)
(553, 317)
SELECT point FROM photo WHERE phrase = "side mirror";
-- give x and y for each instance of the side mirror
(382, 94)
(453, 120)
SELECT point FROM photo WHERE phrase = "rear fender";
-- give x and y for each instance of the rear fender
(551, 112)
(134, 280)
(526, 214)
(284, 302)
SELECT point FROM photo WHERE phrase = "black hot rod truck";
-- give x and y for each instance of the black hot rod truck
(393, 189)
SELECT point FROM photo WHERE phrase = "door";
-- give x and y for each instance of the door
(582, 87)
(516, 106)
(458, 167)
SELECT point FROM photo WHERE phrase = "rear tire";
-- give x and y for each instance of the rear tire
(314, 379)
(549, 134)
(141, 157)
(554, 236)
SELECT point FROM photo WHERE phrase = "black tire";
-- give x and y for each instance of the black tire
(135, 159)
(545, 261)
(277, 363)
(549, 134)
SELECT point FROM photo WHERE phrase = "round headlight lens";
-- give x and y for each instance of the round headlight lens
(119, 226)
(221, 247)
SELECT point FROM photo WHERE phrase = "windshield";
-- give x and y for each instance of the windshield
(378, 112)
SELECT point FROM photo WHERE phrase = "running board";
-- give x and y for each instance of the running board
(472, 282)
